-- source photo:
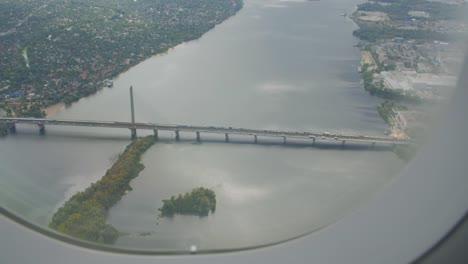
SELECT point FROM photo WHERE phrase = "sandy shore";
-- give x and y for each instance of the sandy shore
(53, 108)
(398, 133)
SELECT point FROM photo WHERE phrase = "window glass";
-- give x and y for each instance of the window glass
(254, 121)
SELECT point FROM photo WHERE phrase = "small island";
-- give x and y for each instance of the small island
(200, 201)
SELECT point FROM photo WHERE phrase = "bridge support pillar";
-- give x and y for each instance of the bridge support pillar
(343, 143)
(156, 136)
(255, 139)
(133, 133)
(198, 136)
(313, 141)
(373, 145)
(284, 140)
(12, 128)
(226, 137)
(41, 129)
(177, 136)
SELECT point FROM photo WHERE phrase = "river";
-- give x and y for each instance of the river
(275, 65)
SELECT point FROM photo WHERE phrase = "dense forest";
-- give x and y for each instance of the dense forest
(84, 215)
(200, 201)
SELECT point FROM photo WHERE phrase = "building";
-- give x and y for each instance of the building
(413, 81)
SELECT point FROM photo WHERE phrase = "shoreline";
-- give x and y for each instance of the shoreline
(84, 215)
(52, 109)
(368, 59)
(96, 81)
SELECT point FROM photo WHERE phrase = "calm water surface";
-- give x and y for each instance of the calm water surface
(275, 65)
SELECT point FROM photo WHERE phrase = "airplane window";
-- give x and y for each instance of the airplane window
(210, 125)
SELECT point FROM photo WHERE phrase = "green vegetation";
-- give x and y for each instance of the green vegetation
(398, 9)
(399, 13)
(3, 130)
(387, 111)
(199, 201)
(73, 47)
(6, 108)
(84, 215)
(411, 31)
(30, 110)
(378, 88)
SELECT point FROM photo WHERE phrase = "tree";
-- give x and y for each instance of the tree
(199, 201)
(84, 215)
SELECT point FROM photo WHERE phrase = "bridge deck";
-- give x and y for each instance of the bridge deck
(209, 129)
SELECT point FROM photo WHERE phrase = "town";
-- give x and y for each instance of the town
(411, 54)
(60, 51)
(56, 52)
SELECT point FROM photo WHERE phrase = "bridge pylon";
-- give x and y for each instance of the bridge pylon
(41, 129)
(133, 133)
(132, 109)
(12, 128)
(155, 131)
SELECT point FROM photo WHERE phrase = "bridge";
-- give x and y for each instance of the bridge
(198, 130)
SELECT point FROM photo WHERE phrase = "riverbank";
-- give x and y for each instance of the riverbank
(234, 76)
(52, 109)
(84, 215)
(388, 111)
(40, 80)
(408, 58)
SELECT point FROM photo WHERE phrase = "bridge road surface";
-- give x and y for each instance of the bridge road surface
(315, 136)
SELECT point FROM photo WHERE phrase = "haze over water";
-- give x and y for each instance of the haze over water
(275, 65)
